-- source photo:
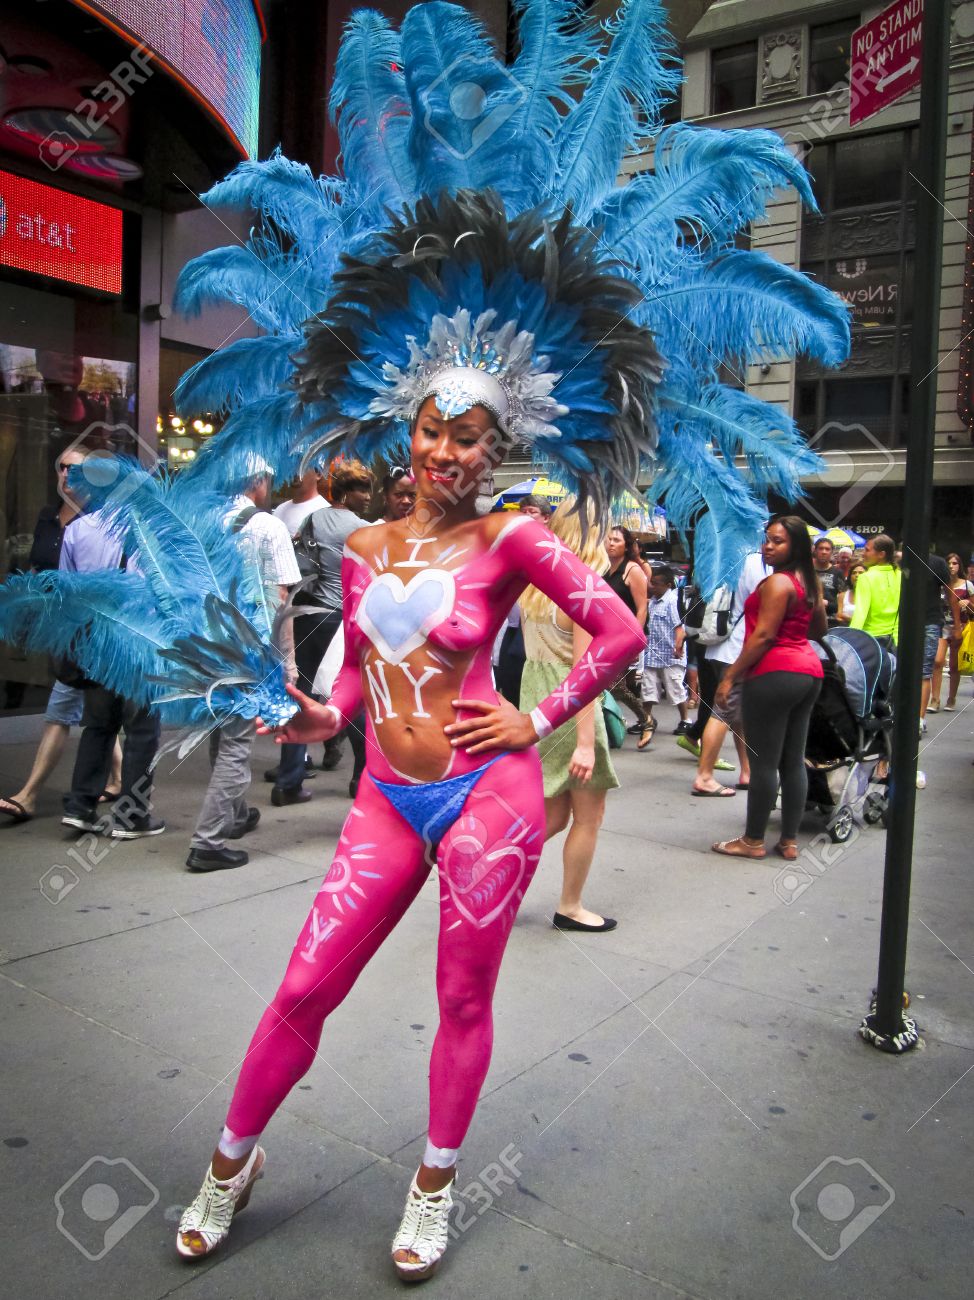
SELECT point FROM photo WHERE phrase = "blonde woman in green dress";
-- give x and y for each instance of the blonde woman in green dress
(575, 757)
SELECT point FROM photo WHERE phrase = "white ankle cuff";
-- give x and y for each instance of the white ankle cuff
(439, 1157)
(233, 1146)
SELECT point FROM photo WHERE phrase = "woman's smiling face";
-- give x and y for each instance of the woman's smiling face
(450, 457)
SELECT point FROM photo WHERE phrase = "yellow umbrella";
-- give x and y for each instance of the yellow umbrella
(511, 497)
(845, 537)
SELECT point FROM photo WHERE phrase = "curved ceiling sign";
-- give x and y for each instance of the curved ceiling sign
(211, 47)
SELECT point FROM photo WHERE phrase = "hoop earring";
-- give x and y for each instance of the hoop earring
(484, 501)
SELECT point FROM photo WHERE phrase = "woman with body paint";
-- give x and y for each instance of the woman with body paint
(453, 778)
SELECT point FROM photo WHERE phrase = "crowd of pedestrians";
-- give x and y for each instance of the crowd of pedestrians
(741, 662)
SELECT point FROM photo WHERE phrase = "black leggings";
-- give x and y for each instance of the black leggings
(776, 708)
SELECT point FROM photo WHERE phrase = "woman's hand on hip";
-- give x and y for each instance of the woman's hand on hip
(496, 725)
(314, 722)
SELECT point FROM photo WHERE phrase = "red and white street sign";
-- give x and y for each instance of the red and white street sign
(886, 59)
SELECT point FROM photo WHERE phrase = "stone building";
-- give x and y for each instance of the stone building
(785, 66)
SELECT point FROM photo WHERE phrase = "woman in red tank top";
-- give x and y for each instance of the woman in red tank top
(780, 675)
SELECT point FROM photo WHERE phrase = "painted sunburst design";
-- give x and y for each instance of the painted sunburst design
(344, 889)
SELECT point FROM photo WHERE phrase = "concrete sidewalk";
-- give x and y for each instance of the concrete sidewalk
(663, 1102)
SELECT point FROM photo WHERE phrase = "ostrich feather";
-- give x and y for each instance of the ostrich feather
(622, 101)
(464, 102)
(285, 192)
(705, 498)
(259, 437)
(106, 622)
(705, 187)
(274, 290)
(555, 45)
(236, 375)
(740, 425)
(745, 307)
(370, 104)
(179, 540)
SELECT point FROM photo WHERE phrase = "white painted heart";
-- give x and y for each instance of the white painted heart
(482, 890)
(396, 617)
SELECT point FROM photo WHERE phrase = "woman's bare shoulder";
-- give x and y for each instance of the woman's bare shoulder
(777, 584)
(367, 542)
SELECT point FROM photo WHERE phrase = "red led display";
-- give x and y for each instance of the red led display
(49, 232)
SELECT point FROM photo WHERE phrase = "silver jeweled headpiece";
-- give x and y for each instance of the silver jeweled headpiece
(465, 363)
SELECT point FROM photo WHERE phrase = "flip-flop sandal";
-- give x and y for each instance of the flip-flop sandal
(721, 847)
(741, 785)
(787, 851)
(21, 814)
(725, 792)
(109, 796)
(646, 738)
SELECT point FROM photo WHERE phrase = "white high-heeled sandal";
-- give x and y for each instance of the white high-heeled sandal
(209, 1216)
(424, 1232)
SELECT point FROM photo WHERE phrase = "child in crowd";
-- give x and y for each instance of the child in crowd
(665, 656)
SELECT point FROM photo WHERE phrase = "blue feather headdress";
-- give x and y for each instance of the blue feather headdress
(428, 118)
(190, 633)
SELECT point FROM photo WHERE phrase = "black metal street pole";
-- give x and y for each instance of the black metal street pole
(887, 1028)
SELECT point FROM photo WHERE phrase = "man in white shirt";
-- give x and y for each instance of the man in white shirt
(225, 814)
(716, 658)
(306, 500)
(89, 546)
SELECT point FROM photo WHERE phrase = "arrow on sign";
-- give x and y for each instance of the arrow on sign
(906, 67)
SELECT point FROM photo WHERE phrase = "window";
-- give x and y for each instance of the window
(878, 288)
(853, 413)
(828, 55)
(734, 77)
(863, 170)
(862, 248)
(868, 169)
(673, 110)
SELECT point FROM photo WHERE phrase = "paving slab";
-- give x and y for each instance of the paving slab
(664, 1091)
(87, 1114)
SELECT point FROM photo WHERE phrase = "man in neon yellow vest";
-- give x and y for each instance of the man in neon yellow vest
(877, 607)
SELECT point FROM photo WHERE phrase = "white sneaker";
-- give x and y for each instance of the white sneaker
(921, 780)
(923, 726)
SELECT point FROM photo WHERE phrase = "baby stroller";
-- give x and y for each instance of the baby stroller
(850, 731)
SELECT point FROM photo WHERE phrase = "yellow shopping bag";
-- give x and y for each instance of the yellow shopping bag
(965, 652)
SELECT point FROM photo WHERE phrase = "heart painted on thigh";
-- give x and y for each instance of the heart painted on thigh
(396, 617)
(481, 887)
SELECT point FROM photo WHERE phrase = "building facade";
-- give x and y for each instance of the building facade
(785, 66)
(114, 116)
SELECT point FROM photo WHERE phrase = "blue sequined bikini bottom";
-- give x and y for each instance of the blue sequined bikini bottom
(432, 807)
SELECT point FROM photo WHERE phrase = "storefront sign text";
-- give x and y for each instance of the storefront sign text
(49, 232)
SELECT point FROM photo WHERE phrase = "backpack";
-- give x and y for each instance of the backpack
(709, 621)
(242, 518)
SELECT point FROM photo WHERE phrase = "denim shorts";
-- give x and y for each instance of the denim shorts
(65, 705)
(730, 714)
(931, 637)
